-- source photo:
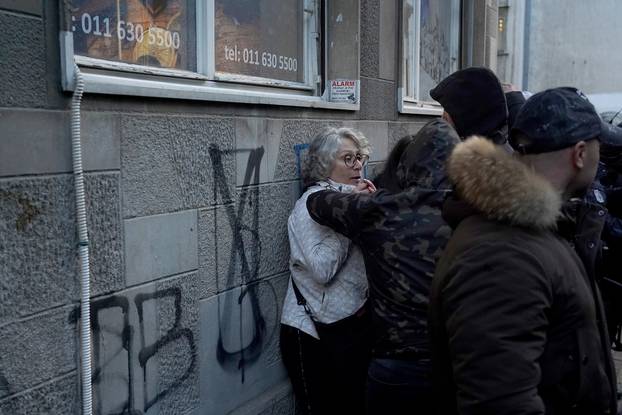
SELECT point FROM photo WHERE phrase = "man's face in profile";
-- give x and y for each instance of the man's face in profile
(585, 176)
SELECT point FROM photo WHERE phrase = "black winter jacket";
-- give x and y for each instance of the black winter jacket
(515, 320)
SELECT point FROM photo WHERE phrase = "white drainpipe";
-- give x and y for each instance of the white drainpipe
(83, 247)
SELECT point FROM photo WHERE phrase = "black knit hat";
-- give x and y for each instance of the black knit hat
(558, 118)
(474, 99)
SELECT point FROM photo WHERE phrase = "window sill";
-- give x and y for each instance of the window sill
(100, 83)
(406, 107)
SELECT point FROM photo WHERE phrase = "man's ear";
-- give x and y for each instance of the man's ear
(448, 118)
(579, 154)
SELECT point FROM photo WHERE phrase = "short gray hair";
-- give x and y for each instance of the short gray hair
(323, 152)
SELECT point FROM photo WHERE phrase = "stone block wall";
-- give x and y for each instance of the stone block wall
(187, 214)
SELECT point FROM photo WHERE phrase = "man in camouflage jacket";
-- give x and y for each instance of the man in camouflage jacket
(401, 236)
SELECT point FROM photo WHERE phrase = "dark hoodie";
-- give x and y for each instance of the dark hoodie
(474, 99)
(401, 236)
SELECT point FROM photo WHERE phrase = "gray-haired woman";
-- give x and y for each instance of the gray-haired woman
(325, 326)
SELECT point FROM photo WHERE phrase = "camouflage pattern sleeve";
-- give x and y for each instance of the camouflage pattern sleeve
(339, 211)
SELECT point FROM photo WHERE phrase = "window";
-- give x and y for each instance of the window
(502, 27)
(249, 43)
(342, 50)
(430, 51)
(256, 51)
(149, 33)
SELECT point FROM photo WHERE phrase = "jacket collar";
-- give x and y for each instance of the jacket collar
(330, 184)
(497, 185)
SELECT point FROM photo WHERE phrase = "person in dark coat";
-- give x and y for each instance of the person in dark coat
(474, 102)
(606, 192)
(516, 322)
(387, 179)
(515, 100)
(401, 236)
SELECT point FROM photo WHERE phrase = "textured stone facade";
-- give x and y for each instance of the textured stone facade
(187, 213)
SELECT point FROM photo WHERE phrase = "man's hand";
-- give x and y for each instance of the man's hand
(365, 186)
(509, 88)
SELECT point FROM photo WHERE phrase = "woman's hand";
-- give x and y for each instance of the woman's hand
(509, 88)
(365, 186)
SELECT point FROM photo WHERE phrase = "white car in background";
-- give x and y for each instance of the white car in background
(608, 105)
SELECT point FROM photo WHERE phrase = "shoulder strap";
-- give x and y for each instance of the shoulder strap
(300, 298)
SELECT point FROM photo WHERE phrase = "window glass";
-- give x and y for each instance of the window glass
(431, 45)
(290, 52)
(410, 48)
(156, 33)
(260, 38)
(342, 50)
(343, 35)
(438, 53)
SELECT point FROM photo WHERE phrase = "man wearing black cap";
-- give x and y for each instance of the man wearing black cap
(474, 102)
(516, 322)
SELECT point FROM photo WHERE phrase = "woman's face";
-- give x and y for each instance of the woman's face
(346, 167)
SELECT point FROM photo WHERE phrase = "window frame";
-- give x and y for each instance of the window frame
(310, 11)
(411, 104)
(120, 78)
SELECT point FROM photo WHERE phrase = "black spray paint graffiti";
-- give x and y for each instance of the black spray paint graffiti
(176, 334)
(250, 349)
(231, 359)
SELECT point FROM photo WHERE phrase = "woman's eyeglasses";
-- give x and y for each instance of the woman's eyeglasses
(351, 159)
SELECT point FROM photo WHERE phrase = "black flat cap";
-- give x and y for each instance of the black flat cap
(558, 118)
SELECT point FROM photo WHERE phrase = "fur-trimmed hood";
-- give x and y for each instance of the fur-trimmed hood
(501, 187)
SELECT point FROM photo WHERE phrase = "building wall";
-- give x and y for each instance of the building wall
(511, 41)
(479, 33)
(574, 42)
(187, 209)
